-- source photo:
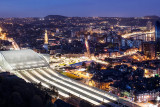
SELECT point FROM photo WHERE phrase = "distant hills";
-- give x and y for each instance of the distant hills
(125, 21)
(62, 17)
(152, 17)
(54, 17)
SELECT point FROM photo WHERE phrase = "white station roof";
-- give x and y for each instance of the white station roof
(21, 59)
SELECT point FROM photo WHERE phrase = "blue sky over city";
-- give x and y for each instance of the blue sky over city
(108, 8)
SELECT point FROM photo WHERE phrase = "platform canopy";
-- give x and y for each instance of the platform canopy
(21, 59)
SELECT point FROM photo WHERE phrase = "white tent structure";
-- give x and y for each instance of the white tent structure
(21, 59)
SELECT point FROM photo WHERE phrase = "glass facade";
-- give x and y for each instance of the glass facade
(157, 38)
(157, 31)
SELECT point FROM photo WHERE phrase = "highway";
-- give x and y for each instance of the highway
(67, 86)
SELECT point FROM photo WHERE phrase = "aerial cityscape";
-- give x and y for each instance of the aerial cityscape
(59, 53)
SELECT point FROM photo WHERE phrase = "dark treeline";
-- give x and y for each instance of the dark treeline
(15, 92)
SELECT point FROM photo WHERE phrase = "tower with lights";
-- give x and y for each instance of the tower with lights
(45, 46)
(157, 39)
(87, 46)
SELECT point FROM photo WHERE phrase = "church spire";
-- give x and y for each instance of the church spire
(46, 37)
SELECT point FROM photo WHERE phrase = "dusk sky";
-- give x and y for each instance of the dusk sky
(108, 8)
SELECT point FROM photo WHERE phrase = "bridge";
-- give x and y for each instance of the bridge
(33, 68)
(143, 35)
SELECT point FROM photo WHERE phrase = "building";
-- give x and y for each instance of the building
(148, 49)
(157, 38)
(21, 59)
(157, 31)
(135, 96)
(152, 49)
(45, 46)
(149, 25)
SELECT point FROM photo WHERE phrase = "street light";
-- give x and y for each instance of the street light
(158, 99)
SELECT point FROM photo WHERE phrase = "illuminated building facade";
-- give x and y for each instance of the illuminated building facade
(157, 31)
(3, 36)
(149, 49)
(157, 38)
(149, 25)
(45, 46)
(87, 46)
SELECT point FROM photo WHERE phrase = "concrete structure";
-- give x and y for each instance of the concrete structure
(21, 59)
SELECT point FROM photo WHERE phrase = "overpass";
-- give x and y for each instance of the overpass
(34, 68)
(146, 36)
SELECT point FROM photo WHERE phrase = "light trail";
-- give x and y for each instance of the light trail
(84, 86)
(4, 37)
(126, 54)
(21, 76)
(43, 84)
(64, 88)
(137, 33)
(98, 91)
(48, 78)
(87, 47)
(81, 89)
(47, 86)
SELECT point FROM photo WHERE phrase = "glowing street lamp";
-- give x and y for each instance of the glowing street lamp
(158, 99)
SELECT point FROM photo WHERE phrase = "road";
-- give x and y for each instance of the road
(128, 35)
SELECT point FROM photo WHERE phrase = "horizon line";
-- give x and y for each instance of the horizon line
(83, 16)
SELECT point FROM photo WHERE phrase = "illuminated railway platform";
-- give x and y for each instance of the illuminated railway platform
(66, 86)
(34, 68)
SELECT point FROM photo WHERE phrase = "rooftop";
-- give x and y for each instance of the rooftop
(21, 59)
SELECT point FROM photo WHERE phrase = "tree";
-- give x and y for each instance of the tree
(84, 104)
(39, 85)
(16, 100)
(92, 64)
(36, 101)
(15, 92)
(84, 64)
(98, 67)
(88, 68)
(53, 91)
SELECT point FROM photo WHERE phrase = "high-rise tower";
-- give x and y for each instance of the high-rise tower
(157, 39)
(157, 31)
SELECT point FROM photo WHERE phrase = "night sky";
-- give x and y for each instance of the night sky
(109, 8)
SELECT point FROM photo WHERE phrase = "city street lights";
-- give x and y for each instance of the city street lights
(158, 99)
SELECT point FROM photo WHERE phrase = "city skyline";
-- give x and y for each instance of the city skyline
(81, 8)
(80, 53)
